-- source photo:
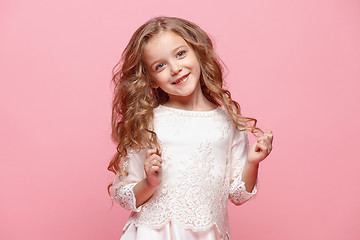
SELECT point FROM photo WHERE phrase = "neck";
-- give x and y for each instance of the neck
(194, 102)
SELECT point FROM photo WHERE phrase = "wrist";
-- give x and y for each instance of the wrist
(252, 164)
(149, 186)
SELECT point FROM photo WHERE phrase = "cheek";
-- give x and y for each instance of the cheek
(196, 66)
(195, 63)
(160, 78)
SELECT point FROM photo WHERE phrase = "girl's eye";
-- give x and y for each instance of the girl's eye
(159, 66)
(180, 54)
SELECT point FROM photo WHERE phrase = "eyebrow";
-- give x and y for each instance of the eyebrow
(159, 60)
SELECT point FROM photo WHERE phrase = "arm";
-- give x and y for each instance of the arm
(249, 175)
(245, 165)
(122, 190)
(143, 191)
(258, 152)
(143, 177)
(152, 166)
(241, 171)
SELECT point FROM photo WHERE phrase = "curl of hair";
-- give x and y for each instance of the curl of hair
(135, 96)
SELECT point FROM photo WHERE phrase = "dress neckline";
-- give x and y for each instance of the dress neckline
(189, 112)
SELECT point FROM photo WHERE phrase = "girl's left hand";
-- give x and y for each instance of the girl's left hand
(261, 149)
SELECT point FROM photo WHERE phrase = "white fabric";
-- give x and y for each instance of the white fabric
(169, 231)
(203, 157)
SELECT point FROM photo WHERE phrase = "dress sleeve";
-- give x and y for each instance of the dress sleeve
(238, 156)
(122, 189)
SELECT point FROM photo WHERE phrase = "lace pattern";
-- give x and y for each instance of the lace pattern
(201, 171)
(123, 194)
(238, 194)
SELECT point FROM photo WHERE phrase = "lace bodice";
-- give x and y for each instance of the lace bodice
(203, 157)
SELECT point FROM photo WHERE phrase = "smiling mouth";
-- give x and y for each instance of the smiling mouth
(181, 80)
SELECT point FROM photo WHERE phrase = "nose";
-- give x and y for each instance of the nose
(175, 69)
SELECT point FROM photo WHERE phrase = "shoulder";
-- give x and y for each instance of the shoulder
(224, 117)
(223, 113)
(236, 133)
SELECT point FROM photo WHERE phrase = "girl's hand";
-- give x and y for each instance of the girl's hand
(261, 149)
(152, 167)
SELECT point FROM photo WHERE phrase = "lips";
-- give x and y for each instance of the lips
(181, 80)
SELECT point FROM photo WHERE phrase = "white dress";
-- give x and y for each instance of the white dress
(203, 157)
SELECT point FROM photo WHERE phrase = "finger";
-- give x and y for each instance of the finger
(154, 169)
(154, 157)
(262, 147)
(158, 152)
(149, 152)
(256, 147)
(269, 134)
(156, 163)
(265, 140)
(262, 138)
(266, 148)
(151, 168)
(268, 131)
(266, 135)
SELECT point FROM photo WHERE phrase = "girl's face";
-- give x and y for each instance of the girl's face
(172, 65)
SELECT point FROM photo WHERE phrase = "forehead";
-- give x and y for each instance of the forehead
(162, 44)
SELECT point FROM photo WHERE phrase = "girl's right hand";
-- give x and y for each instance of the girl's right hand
(152, 167)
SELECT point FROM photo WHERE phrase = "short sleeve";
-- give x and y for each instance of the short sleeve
(238, 156)
(122, 189)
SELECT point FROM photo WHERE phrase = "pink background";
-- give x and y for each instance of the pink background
(293, 65)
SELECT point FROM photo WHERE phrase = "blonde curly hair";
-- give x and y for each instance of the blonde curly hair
(135, 95)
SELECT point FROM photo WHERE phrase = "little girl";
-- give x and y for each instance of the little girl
(182, 146)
